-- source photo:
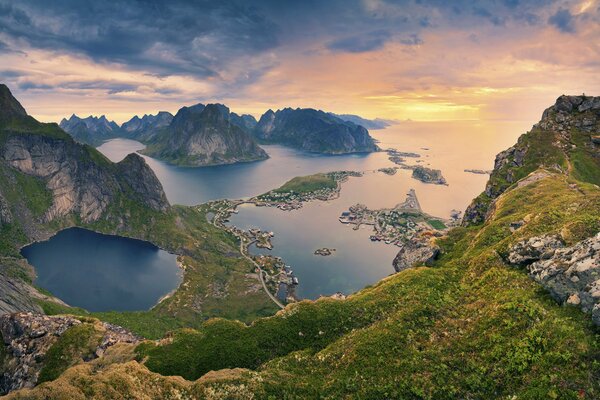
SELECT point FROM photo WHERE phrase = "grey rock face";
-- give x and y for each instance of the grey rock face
(79, 185)
(570, 274)
(414, 253)
(27, 337)
(76, 185)
(5, 214)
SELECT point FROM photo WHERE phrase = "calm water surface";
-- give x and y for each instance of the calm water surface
(101, 272)
(449, 146)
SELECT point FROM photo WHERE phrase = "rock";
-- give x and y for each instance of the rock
(534, 249)
(27, 337)
(415, 252)
(570, 274)
(570, 115)
(428, 175)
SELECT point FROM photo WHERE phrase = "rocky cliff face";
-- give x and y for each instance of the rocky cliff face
(205, 135)
(80, 184)
(565, 140)
(27, 338)
(314, 131)
(570, 274)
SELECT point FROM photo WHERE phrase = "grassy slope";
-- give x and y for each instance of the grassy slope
(469, 327)
(306, 184)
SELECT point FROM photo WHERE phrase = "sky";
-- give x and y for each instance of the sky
(423, 60)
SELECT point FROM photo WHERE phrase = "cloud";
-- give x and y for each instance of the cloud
(412, 40)
(563, 20)
(175, 37)
(361, 43)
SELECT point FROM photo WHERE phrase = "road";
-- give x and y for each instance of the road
(260, 274)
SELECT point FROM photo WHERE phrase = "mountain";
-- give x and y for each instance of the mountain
(47, 181)
(566, 139)
(146, 128)
(376, 123)
(206, 135)
(314, 131)
(506, 309)
(91, 130)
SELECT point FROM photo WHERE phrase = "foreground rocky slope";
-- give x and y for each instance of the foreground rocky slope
(38, 348)
(314, 131)
(472, 325)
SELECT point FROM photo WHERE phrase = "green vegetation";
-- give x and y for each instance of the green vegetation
(306, 184)
(34, 192)
(75, 345)
(470, 327)
(436, 224)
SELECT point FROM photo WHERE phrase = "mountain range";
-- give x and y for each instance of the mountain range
(191, 138)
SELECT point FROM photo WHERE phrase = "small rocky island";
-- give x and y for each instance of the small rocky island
(478, 171)
(325, 251)
(429, 175)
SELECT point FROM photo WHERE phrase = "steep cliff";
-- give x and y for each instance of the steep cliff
(565, 140)
(314, 131)
(49, 181)
(205, 135)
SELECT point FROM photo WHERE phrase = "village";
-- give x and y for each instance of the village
(396, 225)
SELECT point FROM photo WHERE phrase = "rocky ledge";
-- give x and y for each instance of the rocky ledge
(415, 252)
(570, 274)
(28, 337)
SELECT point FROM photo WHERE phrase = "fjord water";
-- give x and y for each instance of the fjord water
(357, 262)
(101, 272)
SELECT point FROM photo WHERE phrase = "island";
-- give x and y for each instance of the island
(325, 251)
(478, 171)
(428, 175)
(313, 130)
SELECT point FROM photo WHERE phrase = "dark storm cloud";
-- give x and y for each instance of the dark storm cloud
(563, 20)
(205, 38)
(174, 37)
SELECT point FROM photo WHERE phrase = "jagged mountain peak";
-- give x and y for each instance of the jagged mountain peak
(9, 105)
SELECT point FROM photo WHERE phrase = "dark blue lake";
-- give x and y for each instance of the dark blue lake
(102, 272)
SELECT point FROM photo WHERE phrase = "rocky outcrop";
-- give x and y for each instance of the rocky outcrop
(415, 252)
(28, 337)
(570, 274)
(5, 214)
(566, 128)
(143, 181)
(314, 131)
(205, 135)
